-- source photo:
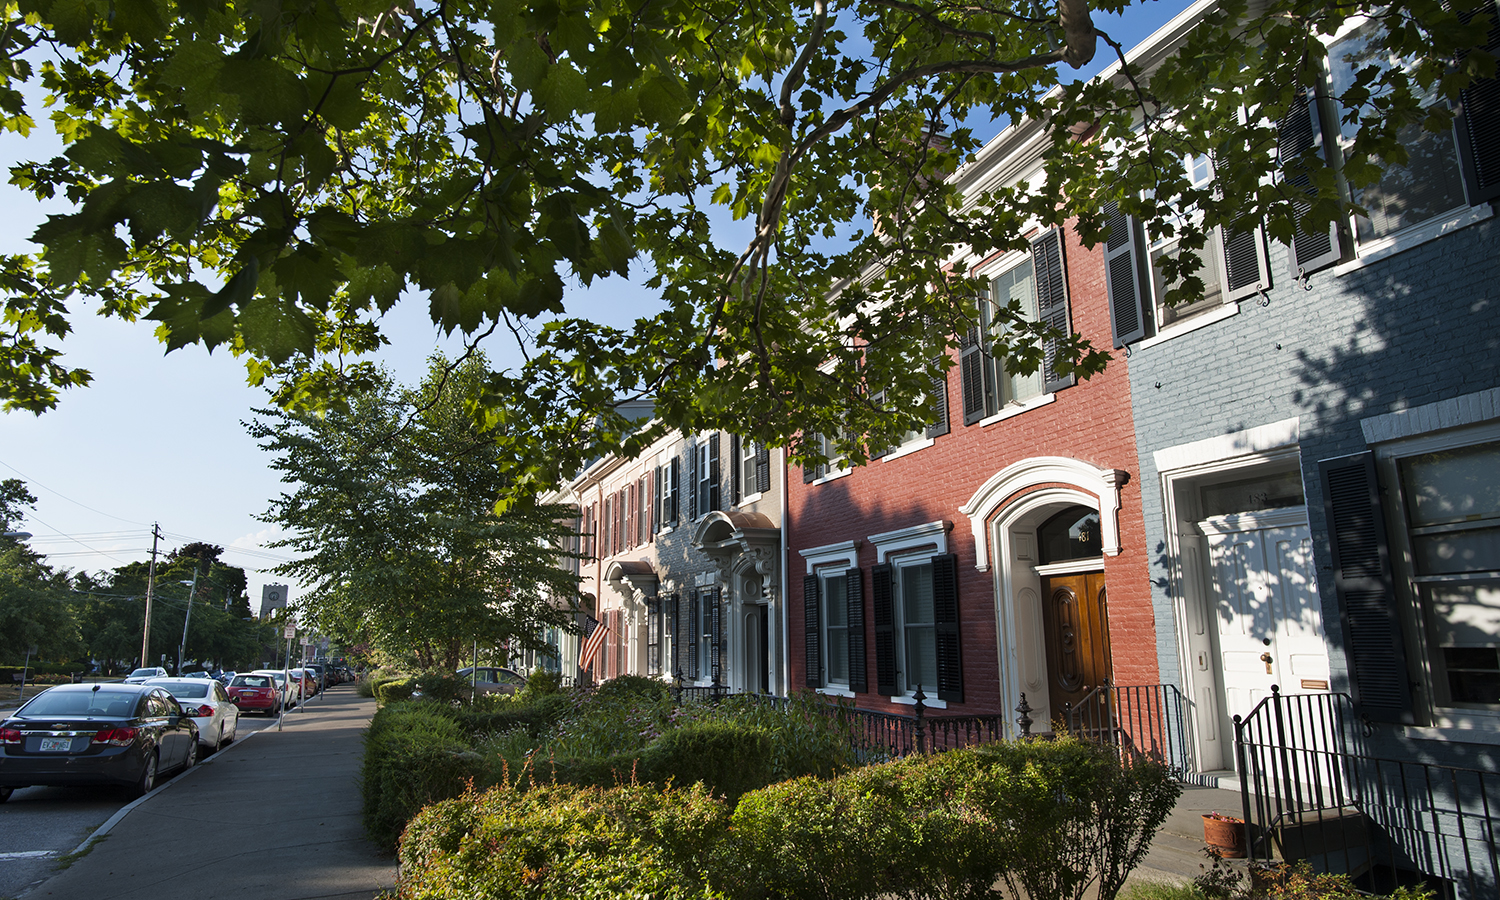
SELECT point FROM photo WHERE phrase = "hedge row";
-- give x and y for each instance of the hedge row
(417, 753)
(1047, 821)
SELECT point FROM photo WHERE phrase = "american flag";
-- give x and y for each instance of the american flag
(592, 644)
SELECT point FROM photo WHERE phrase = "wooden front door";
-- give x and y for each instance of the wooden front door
(1076, 619)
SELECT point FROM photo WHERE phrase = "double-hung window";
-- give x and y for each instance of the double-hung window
(1032, 290)
(917, 638)
(834, 467)
(834, 617)
(703, 477)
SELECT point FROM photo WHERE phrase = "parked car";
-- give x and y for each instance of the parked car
(196, 674)
(125, 734)
(307, 682)
(291, 688)
(494, 679)
(209, 705)
(141, 676)
(255, 692)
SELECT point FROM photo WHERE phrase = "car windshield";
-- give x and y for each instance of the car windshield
(139, 672)
(118, 704)
(188, 691)
(255, 681)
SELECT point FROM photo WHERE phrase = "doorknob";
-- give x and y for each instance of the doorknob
(1266, 658)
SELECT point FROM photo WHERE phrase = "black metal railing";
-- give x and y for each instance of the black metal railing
(1314, 791)
(1141, 720)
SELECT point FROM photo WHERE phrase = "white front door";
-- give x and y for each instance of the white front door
(1270, 626)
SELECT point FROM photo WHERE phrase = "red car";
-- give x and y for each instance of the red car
(255, 692)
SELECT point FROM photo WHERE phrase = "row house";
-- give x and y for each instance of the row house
(681, 563)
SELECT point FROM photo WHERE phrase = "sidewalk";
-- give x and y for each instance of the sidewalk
(274, 816)
(1176, 853)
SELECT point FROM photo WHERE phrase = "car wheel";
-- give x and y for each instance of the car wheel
(219, 744)
(192, 757)
(147, 781)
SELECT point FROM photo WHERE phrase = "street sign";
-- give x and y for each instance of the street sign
(291, 632)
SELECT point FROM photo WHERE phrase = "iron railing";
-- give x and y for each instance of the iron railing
(1313, 790)
(1141, 720)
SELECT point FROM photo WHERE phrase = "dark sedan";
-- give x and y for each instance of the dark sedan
(126, 734)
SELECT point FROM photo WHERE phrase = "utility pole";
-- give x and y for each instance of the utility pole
(150, 590)
(192, 592)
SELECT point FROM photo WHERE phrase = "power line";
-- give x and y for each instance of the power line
(30, 480)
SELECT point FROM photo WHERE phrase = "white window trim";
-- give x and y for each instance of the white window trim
(904, 541)
(831, 476)
(1414, 630)
(836, 691)
(1415, 236)
(929, 702)
(844, 552)
(749, 498)
(908, 448)
(1177, 329)
(1014, 408)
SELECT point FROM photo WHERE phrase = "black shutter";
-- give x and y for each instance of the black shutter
(1479, 121)
(1052, 303)
(676, 476)
(693, 636)
(713, 474)
(715, 637)
(1298, 131)
(656, 500)
(1124, 280)
(692, 482)
(855, 586)
(1366, 594)
(1247, 271)
(938, 402)
(682, 636)
(735, 488)
(971, 374)
(813, 631)
(762, 468)
(884, 612)
(950, 668)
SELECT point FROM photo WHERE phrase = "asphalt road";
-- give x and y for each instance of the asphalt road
(39, 825)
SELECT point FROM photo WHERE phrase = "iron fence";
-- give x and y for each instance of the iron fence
(1313, 790)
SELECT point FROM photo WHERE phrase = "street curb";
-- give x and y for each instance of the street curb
(120, 813)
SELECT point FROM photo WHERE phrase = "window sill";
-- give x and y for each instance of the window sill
(749, 498)
(831, 476)
(929, 702)
(1467, 726)
(836, 691)
(1415, 236)
(1193, 324)
(1015, 409)
(908, 449)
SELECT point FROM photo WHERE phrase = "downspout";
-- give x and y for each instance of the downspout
(786, 672)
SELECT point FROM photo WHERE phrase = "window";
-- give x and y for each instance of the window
(705, 643)
(1036, 291)
(918, 632)
(1431, 183)
(834, 617)
(1231, 266)
(917, 639)
(703, 476)
(831, 469)
(664, 485)
(655, 628)
(746, 467)
(1452, 503)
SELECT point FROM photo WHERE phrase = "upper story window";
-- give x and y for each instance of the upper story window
(835, 466)
(703, 477)
(751, 468)
(1034, 290)
(1431, 182)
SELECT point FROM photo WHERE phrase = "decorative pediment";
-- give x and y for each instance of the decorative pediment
(741, 543)
(635, 579)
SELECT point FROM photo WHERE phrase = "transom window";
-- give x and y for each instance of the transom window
(1071, 534)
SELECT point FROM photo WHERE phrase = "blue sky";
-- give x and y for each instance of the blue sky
(158, 437)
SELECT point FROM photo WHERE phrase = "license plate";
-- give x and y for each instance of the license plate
(56, 745)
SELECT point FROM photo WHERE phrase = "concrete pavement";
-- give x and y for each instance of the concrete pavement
(273, 817)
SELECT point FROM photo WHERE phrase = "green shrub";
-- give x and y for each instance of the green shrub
(635, 687)
(808, 736)
(541, 683)
(440, 686)
(414, 755)
(563, 843)
(395, 690)
(726, 757)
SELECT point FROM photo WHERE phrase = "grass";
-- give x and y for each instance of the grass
(67, 859)
(1160, 890)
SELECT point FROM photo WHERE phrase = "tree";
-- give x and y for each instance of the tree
(393, 518)
(271, 176)
(34, 599)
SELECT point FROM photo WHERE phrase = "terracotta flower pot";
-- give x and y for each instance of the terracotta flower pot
(1224, 835)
